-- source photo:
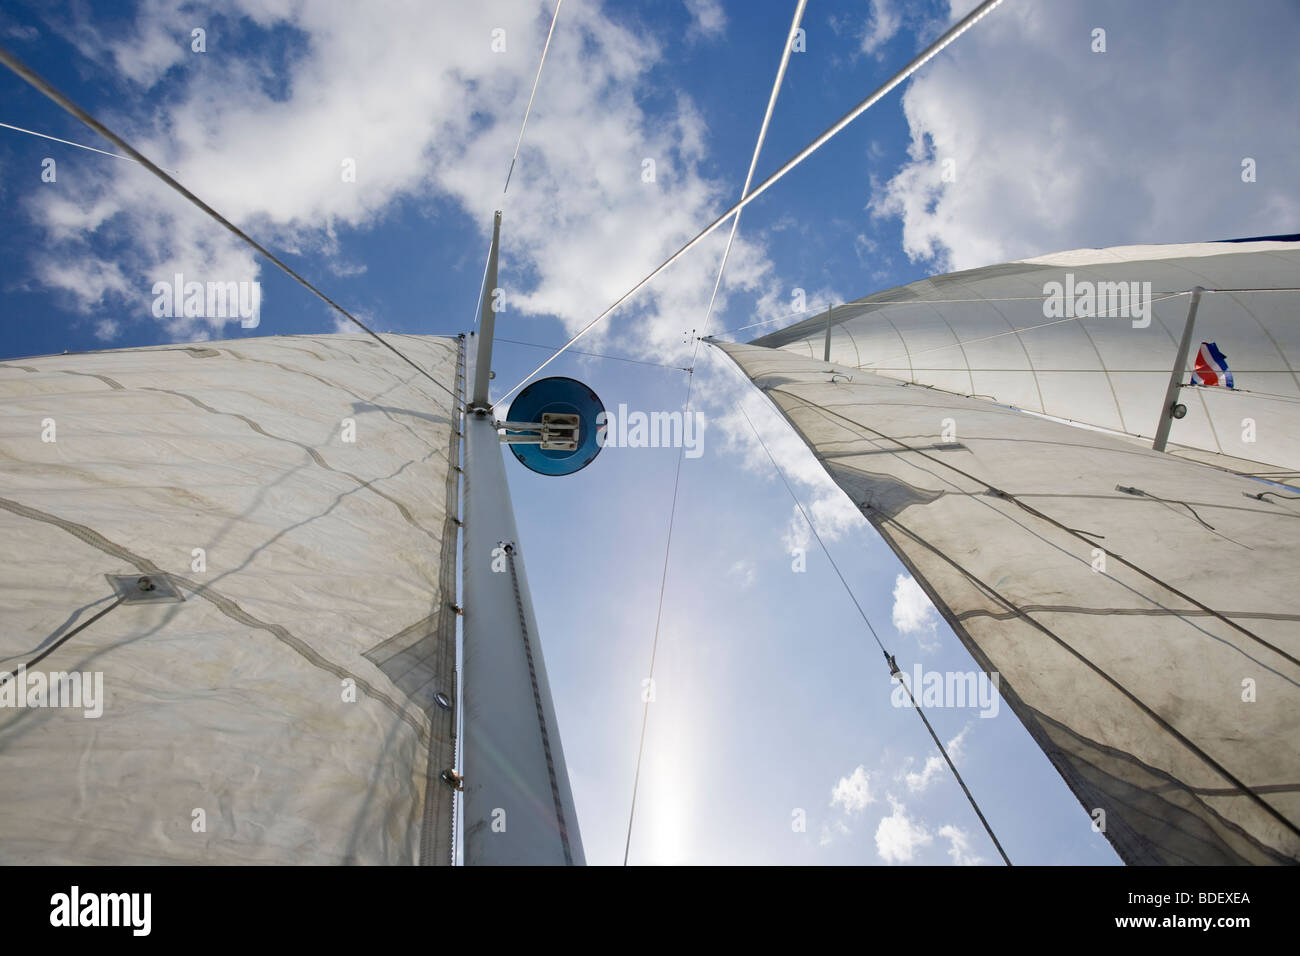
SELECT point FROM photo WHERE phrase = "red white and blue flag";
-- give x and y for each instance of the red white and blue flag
(1211, 367)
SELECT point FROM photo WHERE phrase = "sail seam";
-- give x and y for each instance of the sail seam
(1197, 793)
(1088, 662)
(222, 603)
(1050, 520)
(879, 516)
(326, 382)
(313, 453)
(1182, 613)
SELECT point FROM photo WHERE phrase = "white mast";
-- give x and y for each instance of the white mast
(518, 806)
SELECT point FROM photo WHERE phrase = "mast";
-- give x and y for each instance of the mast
(518, 807)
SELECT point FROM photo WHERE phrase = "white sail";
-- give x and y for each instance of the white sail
(1001, 332)
(1147, 640)
(301, 493)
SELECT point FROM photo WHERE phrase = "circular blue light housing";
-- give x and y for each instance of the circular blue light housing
(557, 396)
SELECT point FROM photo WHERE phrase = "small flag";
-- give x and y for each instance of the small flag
(1211, 367)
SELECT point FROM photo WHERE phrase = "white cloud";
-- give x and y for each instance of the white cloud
(935, 765)
(832, 511)
(853, 793)
(959, 846)
(898, 837)
(830, 831)
(24, 33)
(798, 535)
(881, 26)
(708, 20)
(743, 572)
(918, 782)
(913, 612)
(1056, 147)
(435, 116)
(106, 329)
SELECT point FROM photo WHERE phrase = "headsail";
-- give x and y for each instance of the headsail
(1064, 335)
(298, 705)
(1140, 608)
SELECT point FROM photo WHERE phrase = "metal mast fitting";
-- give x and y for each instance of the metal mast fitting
(1172, 409)
(518, 807)
(553, 433)
(487, 324)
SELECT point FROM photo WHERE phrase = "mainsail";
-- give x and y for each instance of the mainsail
(297, 705)
(1139, 607)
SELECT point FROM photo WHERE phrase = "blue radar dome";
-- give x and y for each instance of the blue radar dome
(568, 409)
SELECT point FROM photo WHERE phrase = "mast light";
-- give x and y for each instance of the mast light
(554, 426)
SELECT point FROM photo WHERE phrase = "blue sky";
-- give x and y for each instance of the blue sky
(771, 695)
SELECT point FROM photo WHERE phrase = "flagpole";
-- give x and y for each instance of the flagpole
(1176, 375)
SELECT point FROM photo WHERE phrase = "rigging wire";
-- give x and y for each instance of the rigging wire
(615, 358)
(1237, 783)
(31, 77)
(919, 61)
(1159, 297)
(537, 79)
(997, 492)
(68, 142)
(749, 176)
(817, 313)
(1267, 396)
(807, 313)
(1014, 499)
(880, 305)
(997, 335)
(7, 676)
(482, 290)
(690, 382)
(482, 283)
(889, 658)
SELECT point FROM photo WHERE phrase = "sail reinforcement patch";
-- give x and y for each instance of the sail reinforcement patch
(145, 588)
